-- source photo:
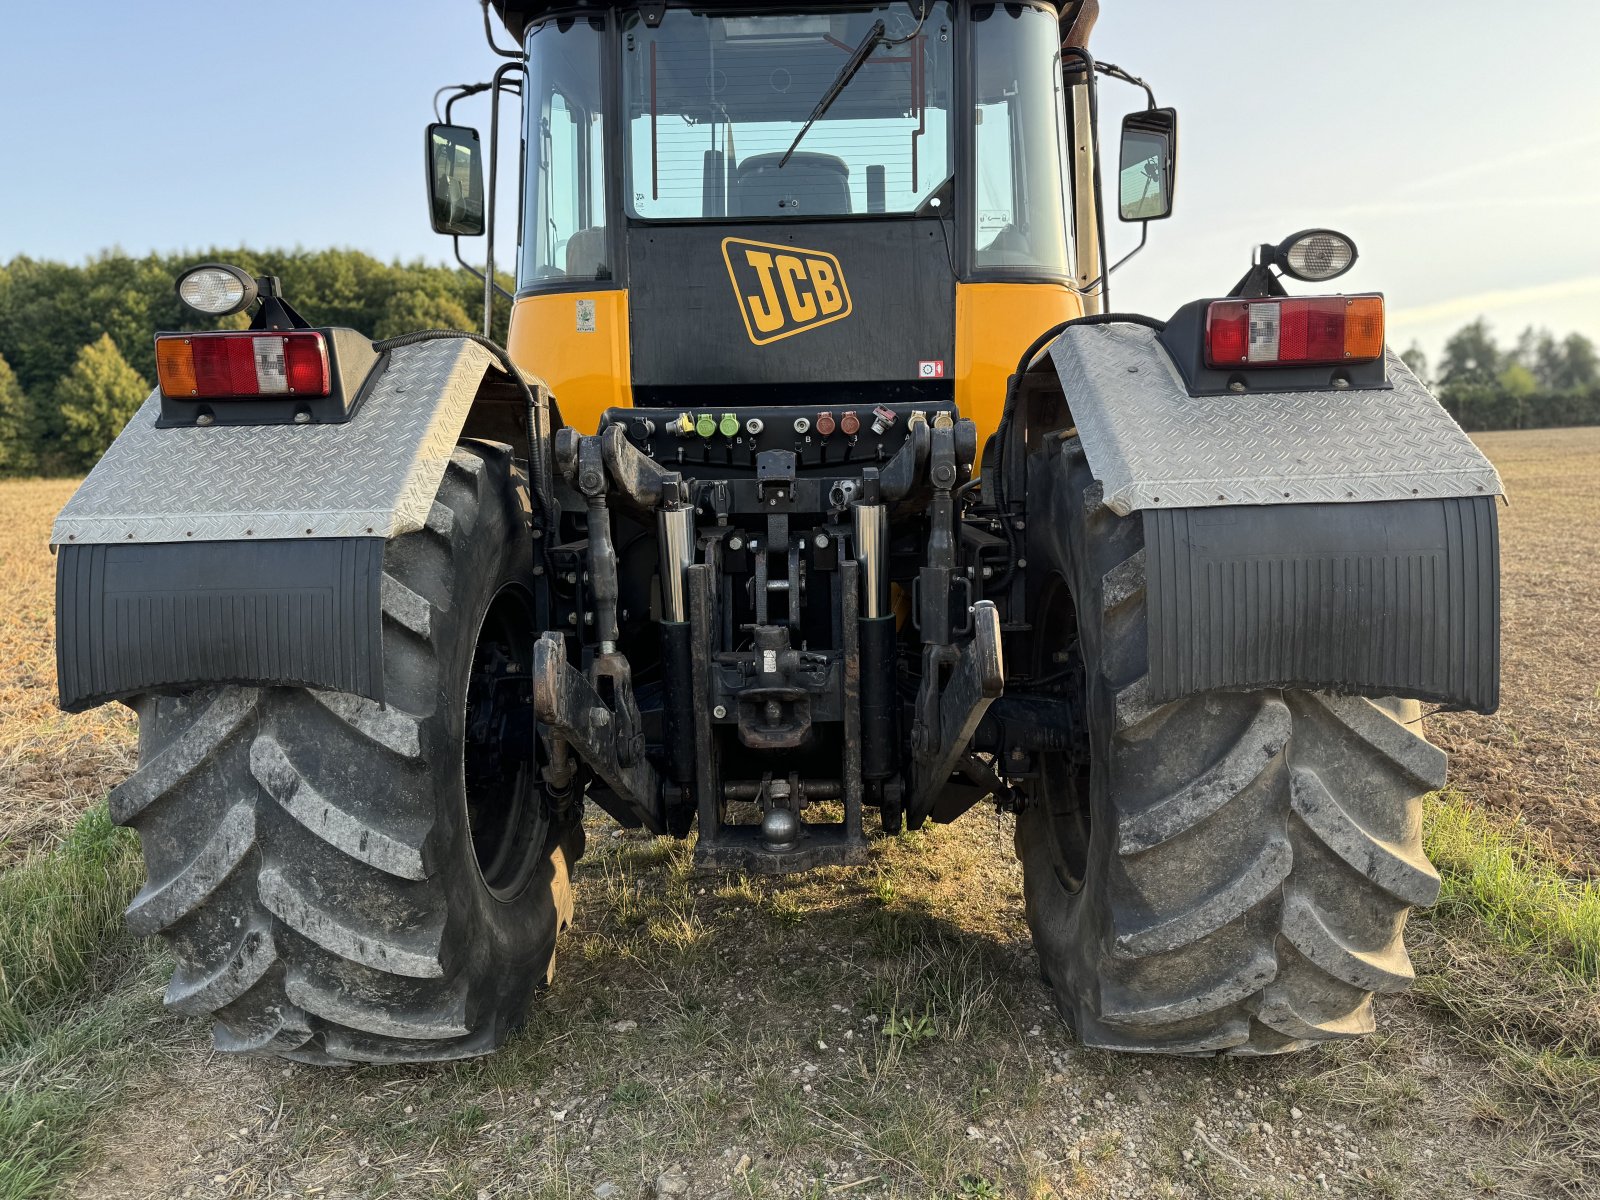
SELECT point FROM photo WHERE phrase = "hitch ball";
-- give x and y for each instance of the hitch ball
(780, 828)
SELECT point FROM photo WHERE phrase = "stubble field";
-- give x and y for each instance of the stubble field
(864, 1032)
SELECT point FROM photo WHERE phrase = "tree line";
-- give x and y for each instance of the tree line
(77, 344)
(77, 351)
(1540, 382)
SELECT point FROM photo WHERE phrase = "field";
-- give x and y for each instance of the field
(867, 1032)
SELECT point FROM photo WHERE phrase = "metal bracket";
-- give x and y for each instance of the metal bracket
(977, 678)
(568, 703)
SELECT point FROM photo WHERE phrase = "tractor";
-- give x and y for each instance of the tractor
(816, 494)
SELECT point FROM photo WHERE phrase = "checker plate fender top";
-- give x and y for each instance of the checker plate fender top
(372, 476)
(1153, 446)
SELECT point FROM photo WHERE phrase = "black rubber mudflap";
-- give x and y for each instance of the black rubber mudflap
(1399, 598)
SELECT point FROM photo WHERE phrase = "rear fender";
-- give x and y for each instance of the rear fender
(253, 554)
(1342, 540)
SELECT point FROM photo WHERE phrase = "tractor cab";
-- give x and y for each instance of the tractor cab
(823, 205)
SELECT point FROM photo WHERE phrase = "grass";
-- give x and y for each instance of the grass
(69, 1016)
(59, 910)
(1500, 879)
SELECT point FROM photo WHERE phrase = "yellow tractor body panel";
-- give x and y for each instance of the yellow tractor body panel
(995, 322)
(577, 342)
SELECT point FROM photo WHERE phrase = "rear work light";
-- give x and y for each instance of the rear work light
(238, 366)
(1297, 332)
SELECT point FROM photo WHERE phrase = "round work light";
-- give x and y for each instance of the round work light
(216, 289)
(1316, 255)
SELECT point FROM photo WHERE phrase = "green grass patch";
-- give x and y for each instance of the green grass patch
(1499, 877)
(71, 1027)
(58, 911)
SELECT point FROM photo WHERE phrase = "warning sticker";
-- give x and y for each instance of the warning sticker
(930, 368)
(585, 316)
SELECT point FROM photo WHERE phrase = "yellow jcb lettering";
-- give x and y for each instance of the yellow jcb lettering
(765, 311)
(826, 287)
(801, 306)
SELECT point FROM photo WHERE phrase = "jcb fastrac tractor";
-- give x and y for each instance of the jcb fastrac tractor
(817, 492)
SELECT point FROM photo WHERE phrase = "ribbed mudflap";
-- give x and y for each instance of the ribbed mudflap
(1399, 598)
(159, 617)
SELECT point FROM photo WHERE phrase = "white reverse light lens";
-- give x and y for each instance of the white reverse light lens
(1265, 320)
(1319, 256)
(272, 372)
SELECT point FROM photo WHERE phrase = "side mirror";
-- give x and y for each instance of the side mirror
(455, 180)
(1149, 164)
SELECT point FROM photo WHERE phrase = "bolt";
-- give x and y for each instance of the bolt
(822, 541)
(1022, 562)
(719, 712)
(736, 542)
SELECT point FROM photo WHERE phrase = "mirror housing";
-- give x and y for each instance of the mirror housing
(455, 179)
(1148, 165)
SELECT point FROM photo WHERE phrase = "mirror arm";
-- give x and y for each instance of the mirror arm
(1116, 72)
(489, 285)
(1144, 236)
(455, 241)
(462, 90)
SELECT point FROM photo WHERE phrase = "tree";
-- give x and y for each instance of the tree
(16, 423)
(1417, 361)
(1580, 366)
(413, 309)
(1470, 356)
(96, 397)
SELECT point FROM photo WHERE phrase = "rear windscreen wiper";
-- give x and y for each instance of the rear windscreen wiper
(857, 58)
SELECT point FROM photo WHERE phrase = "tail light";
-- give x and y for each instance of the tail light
(223, 366)
(1299, 331)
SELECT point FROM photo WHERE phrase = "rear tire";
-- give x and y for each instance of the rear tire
(1227, 873)
(347, 882)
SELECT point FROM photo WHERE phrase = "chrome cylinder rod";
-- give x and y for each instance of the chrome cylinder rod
(872, 555)
(676, 529)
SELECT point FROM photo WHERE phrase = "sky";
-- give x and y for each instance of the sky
(1457, 141)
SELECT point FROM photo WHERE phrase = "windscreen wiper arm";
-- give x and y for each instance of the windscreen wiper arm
(857, 59)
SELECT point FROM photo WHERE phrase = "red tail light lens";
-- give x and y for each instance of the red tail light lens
(231, 366)
(1294, 332)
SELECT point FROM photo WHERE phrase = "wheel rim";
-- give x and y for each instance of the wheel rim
(505, 810)
(1062, 791)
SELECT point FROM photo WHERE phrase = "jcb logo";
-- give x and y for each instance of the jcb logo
(784, 290)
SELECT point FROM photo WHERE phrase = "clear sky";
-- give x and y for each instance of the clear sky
(1458, 141)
